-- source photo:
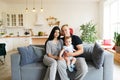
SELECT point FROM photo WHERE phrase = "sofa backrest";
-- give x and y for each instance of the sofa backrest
(88, 49)
(42, 46)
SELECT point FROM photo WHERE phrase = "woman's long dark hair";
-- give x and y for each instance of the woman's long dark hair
(51, 36)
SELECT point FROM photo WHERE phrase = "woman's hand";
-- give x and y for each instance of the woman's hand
(52, 56)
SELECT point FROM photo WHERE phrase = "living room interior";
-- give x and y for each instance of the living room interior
(29, 22)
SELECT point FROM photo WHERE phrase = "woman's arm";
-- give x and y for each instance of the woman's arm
(61, 52)
(52, 56)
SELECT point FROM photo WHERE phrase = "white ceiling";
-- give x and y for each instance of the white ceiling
(23, 1)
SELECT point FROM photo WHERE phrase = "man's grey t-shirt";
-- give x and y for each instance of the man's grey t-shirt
(53, 48)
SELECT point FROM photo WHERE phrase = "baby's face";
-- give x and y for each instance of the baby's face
(68, 42)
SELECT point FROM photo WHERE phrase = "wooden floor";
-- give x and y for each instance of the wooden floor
(5, 70)
(116, 71)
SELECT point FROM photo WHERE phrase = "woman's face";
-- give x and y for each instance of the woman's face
(56, 34)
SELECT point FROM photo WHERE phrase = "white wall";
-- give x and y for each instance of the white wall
(2, 8)
(74, 13)
(101, 14)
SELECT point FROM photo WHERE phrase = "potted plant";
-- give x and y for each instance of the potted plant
(88, 34)
(115, 36)
(11, 34)
(117, 43)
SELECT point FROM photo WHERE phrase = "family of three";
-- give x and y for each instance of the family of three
(61, 53)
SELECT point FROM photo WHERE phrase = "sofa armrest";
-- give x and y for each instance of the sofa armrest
(15, 66)
(108, 66)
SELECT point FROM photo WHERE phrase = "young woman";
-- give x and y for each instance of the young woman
(53, 47)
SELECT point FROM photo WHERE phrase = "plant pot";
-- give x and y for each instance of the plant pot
(117, 49)
(40, 33)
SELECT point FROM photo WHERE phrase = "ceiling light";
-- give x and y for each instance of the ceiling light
(26, 9)
(33, 10)
(41, 9)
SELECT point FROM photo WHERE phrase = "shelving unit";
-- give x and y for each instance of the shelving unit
(116, 55)
(14, 20)
(20, 19)
(52, 21)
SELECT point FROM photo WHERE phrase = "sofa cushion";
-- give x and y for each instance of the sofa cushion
(39, 51)
(27, 55)
(97, 56)
(33, 71)
(93, 73)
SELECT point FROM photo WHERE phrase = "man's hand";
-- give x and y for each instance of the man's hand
(75, 53)
(67, 54)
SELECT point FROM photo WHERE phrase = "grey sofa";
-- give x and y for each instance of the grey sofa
(36, 71)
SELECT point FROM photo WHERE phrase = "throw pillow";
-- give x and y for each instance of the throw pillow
(97, 56)
(88, 50)
(39, 51)
(27, 55)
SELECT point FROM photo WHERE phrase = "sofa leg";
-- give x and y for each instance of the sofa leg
(1, 61)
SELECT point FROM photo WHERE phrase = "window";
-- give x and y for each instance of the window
(111, 18)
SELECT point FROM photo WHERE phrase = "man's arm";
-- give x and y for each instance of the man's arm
(77, 52)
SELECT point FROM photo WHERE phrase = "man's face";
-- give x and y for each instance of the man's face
(65, 31)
